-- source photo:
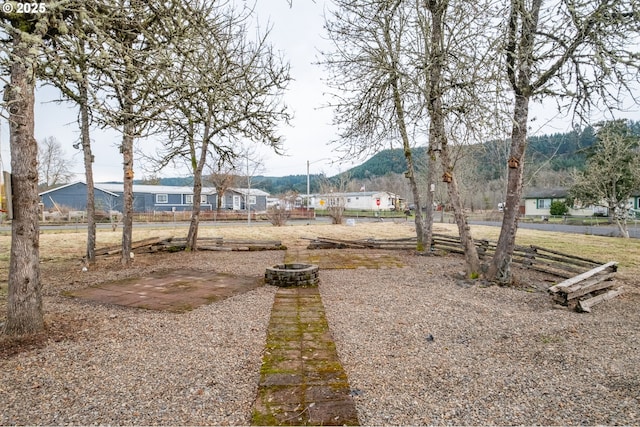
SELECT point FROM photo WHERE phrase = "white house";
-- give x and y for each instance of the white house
(538, 202)
(361, 200)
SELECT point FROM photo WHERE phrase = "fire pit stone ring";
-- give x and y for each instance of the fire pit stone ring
(290, 275)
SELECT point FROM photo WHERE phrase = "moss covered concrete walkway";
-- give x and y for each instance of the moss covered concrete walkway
(302, 381)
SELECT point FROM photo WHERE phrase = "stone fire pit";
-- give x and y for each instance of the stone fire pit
(288, 275)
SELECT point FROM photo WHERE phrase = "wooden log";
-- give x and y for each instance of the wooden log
(580, 277)
(585, 305)
(590, 285)
(357, 244)
(251, 242)
(112, 250)
(539, 248)
(565, 260)
(561, 274)
(561, 267)
(214, 248)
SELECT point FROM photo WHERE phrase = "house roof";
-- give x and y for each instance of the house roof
(558, 192)
(96, 186)
(546, 193)
(114, 188)
(154, 189)
(357, 194)
(250, 191)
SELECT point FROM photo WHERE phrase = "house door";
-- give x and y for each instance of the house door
(236, 203)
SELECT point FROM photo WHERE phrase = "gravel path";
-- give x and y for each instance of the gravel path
(417, 348)
(130, 366)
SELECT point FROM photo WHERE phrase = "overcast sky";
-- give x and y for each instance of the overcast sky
(298, 32)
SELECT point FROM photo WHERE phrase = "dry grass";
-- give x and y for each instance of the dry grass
(69, 245)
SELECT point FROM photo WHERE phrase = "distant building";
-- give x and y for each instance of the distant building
(361, 200)
(151, 198)
(538, 203)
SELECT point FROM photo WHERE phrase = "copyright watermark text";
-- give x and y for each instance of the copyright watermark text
(17, 7)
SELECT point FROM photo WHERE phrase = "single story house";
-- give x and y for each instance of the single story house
(150, 198)
(74, 197)
(538, 202)
(237, 199)
(157, 198)
(361, 200)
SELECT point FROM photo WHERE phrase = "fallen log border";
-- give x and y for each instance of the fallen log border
(172, 244)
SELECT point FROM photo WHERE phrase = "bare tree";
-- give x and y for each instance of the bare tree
(222, 176)
(333, 193)
(54, 168)
(129, 61)
(23, 36)
(578, 53)
(68, 68)
(369, 69)
(229, 87)
(612, 173)
(279, 213)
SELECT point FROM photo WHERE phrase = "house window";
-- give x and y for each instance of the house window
(188, 199)
(162, 198)
(252, 200)
(544, 203)
(349, 200)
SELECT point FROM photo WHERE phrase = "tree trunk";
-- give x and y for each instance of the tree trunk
(127, 205)
(422, 243)
(429, 214)
(620, 220)
(88, 170)
(466, 240)
(192, 235)
(24, 299)
(198, 167)
(499, 269)
(437, 133)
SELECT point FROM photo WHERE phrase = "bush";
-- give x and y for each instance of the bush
(558, 208)
(278, 216)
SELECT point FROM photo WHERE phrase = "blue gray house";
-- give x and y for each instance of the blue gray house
(155, 198)
(74, 197)
(151, 198)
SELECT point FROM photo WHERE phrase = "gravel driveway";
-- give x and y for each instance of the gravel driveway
(417, 347)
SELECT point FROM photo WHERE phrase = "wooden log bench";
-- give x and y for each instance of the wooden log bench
(587, 289)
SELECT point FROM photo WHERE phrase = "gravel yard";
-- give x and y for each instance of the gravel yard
(418, 348)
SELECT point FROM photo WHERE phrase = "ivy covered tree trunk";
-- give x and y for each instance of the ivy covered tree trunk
(24, 299)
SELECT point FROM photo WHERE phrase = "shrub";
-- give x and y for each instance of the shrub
(558, 208)
(278, 215)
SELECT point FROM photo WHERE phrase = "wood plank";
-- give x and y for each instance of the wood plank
(565, 260)
(112, 250)
(562, 267)
(583, 276)
(556, 273)
(349, 243)
(587, 282)
(585, 305)
(214, 248)
(567, 255)
(592, 285)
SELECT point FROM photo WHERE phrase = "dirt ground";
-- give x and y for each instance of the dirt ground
(63, 278)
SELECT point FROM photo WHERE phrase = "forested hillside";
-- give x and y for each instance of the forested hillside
(551, 154)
